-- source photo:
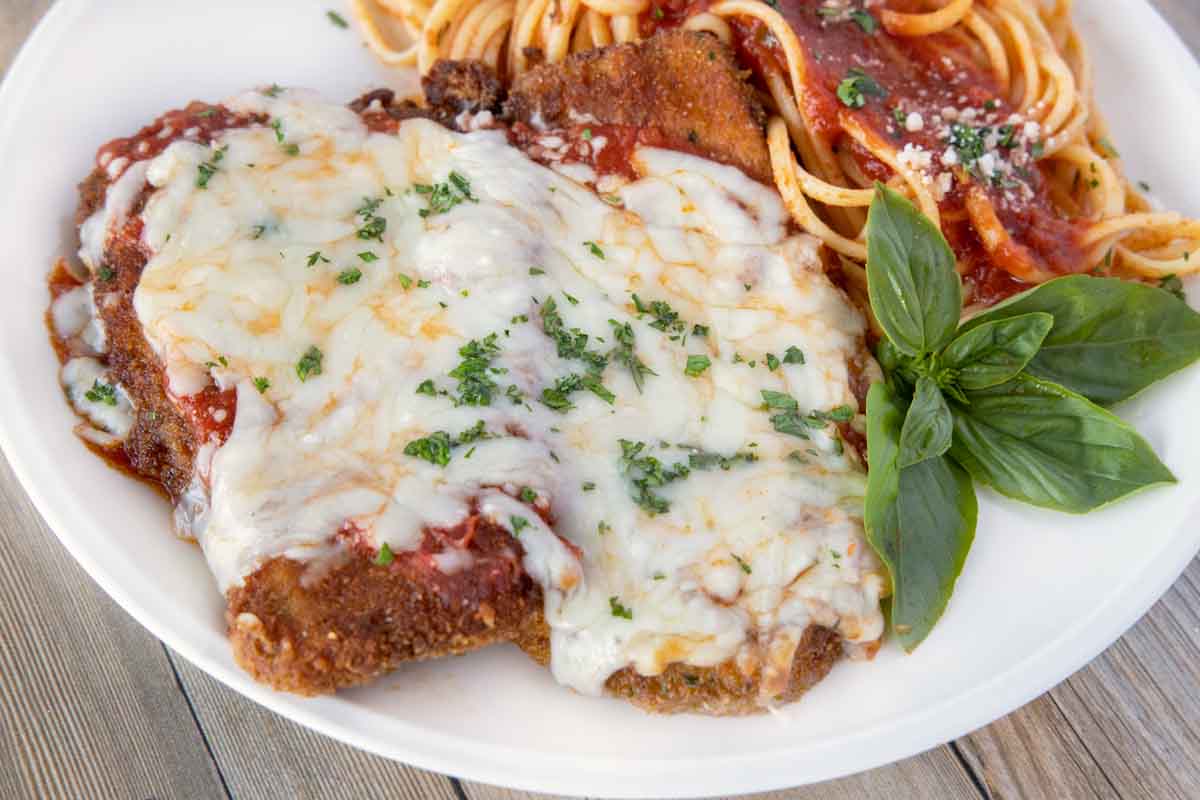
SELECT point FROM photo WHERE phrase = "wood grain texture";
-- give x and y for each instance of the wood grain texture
(147, 724)
(89, 704)
(262, 755)
(936, 774)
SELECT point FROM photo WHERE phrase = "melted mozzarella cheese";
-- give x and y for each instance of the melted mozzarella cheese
(75, 319)
(97, 398)
(245, 271)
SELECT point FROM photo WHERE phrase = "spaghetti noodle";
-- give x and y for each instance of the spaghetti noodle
(981, 111)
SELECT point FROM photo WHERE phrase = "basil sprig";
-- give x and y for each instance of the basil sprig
(1111, 338)
(1012, 399)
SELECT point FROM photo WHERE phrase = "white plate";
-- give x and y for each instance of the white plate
(1041, 594)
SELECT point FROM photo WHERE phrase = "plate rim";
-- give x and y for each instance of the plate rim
(668, 777)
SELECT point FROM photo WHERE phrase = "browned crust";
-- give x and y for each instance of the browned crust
(161, 443)
(683, 83)
(315, 634)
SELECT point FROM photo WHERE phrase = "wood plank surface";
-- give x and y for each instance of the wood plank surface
(89, 702)
(92, 706)
(262, 755)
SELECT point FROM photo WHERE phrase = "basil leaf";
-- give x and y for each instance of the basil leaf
(994, 352)
(1111, 338)
(915, 291)
(884, 421)
(1042, 444)
(928, 426)
(920, 520)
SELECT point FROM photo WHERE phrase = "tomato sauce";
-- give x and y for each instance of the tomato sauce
(210, 412)
(608, 149)
(919, 76)
(199, 122)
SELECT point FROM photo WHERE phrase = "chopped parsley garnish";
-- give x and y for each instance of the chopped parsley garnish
(445, 195)
(405, 281)
(741, 563)
(619, 610)
(515, 395)
(536, 271)
(518, 524)
(337, 19)
(102, 393)
(666, 319)
(594, 249)
(384, 556)
(789, 420)
(368, 257)
(865, 21)
(570, 344)
(426, 387)
(527, 495)
(373, 228)
(840, 414)
(208, 112)
(1037, 149)
(316, 256)
(309, 364)
(706, 460)
(647, 473)
(587, 134)
(277, 126)
(373, 225)
(623, 353)
(1008, 136)
(558, 396)
(105, 273)
(1174, 285)
(1145, 187)
(588, 486)
(772, 362)
(423, 284)
(436, 447)
(696, 365)
(571, 299)
(793, 355)
(700, 330)
(257, 231)
(603, 528)
(262, 384)
(856, 87)
(1108, 148)
(475, 385)
(206, 170)
(474, 434)
(274, 90)
(349, 276)
(969, 142)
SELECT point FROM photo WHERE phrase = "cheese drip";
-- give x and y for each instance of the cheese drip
(281, 251)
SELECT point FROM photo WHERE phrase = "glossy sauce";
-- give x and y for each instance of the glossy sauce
(921, 75)
(607, 149)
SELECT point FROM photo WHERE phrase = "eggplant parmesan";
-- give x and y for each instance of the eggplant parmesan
(420, 382)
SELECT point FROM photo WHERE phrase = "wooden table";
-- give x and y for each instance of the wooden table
(93, 706)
